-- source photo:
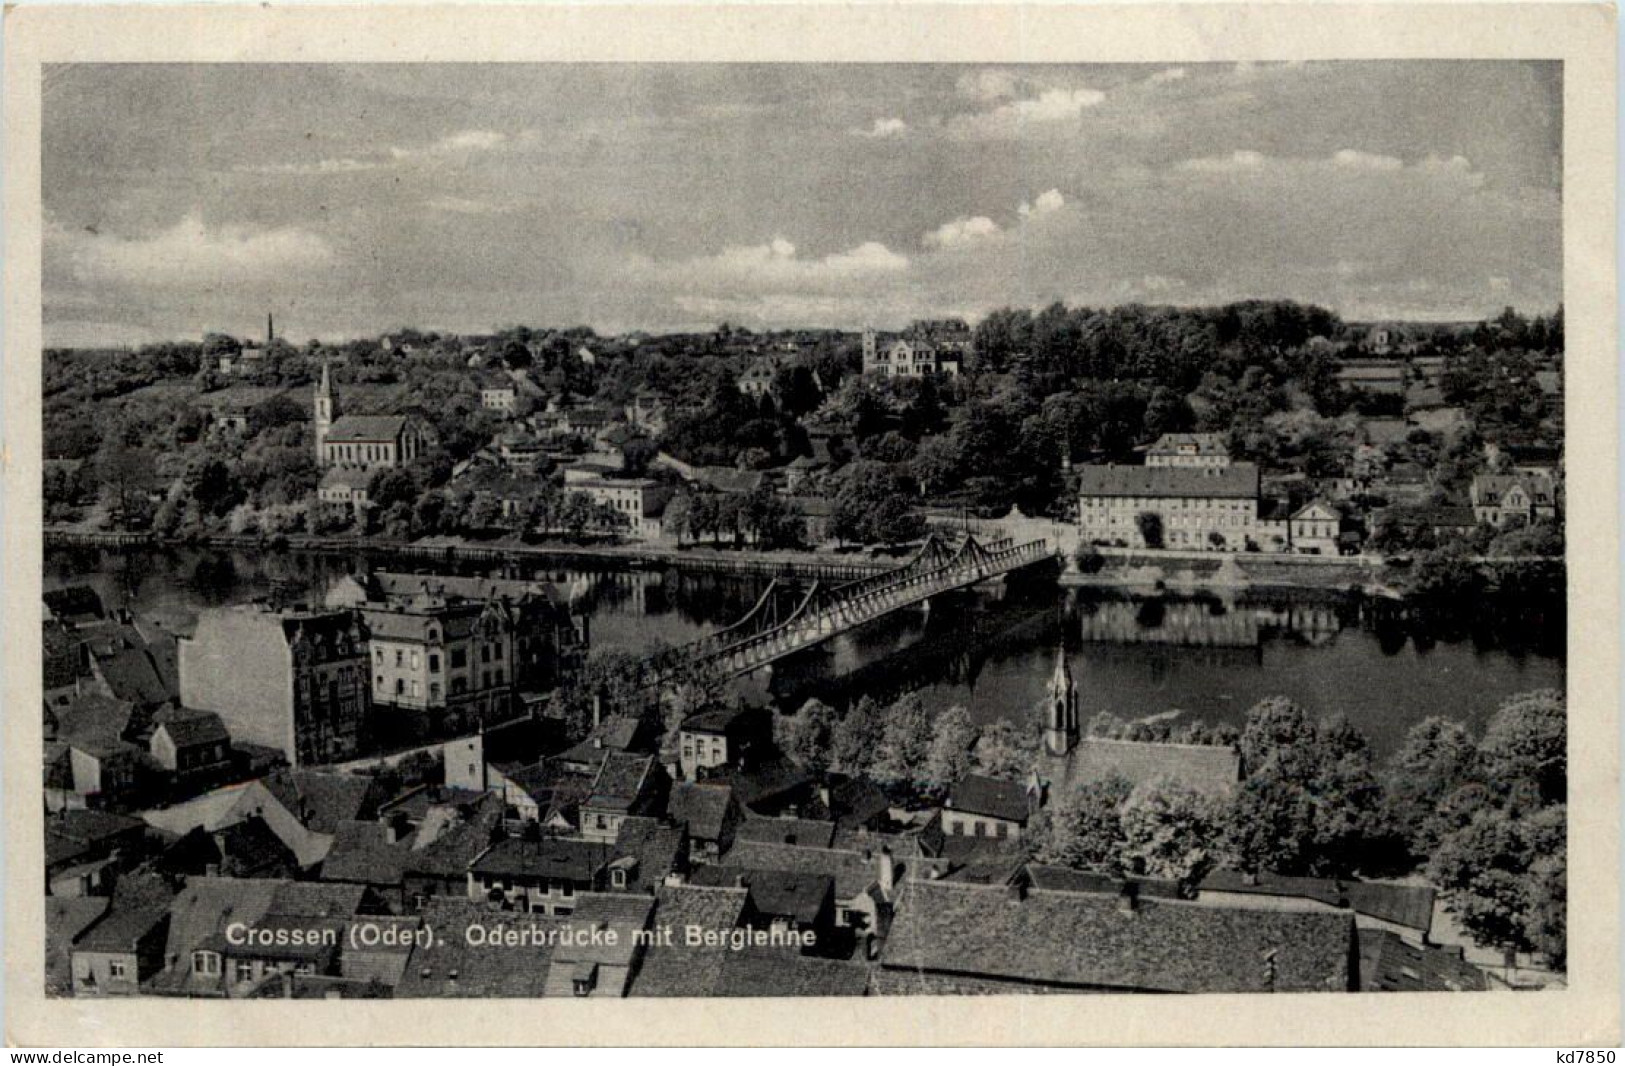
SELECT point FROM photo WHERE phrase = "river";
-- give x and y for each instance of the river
(991, 650)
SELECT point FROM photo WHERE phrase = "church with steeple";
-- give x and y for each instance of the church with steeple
(364, 442)
(1061, 713)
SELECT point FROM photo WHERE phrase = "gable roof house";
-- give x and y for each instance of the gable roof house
(709, 811)
(1211, 768)
(125, 947)
(457, 963)
(981, 806)
(1404, 910)
(599, 946)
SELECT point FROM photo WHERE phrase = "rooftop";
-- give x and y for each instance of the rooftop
(1236, 481)
(1211, 768)
(990, 796)
(1101, 941)
(776, 893)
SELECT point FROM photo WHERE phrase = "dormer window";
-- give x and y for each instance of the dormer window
(206, 963)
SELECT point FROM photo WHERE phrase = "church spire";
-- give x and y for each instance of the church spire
(1061, 717)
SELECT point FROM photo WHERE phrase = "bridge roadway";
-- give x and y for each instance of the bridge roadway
(785, 621)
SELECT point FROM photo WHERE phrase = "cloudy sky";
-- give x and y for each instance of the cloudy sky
(355, 199)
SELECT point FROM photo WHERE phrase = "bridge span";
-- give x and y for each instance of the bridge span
(786, 620)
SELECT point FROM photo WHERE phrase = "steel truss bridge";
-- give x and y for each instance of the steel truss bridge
(786, 620)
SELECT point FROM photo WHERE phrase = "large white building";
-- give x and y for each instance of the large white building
(1194, 508)
(364, 441)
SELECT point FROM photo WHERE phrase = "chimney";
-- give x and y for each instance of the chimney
(888, 873)
(823, 795)
(1128, 899)
(597, 741)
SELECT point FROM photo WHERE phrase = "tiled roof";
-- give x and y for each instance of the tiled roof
(362, 854)
(1489, 489)
(348, 429)
(1066, 879)
(977, 794)
(551, 857)
(139, 903)
(74, 603)
(803, 831)
(347, 477)
(90, 827)
(451, 850)
(1389, 964)
(702, 806)
(856, 801)
(203, 909)
(1211, 768)
(449, 967)
(326, 798)
(192, 728)
(621, 780)
(622, 912)
(784, 893)
(93, 719)
(137, 675)
(1407, 905)
(678, 969)
(715, 720)
(309, 899)
(1236, 481)
(851, 873)
(658, 850)
(1081, 940)
(1189, 443)
(765, 972)
(251, 848)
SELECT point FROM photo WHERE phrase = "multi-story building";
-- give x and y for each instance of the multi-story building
(294, 679)
(1206, 509)
(916, 354)
(1201, 450)
(641, 501)
(499, 396)
(458, 661)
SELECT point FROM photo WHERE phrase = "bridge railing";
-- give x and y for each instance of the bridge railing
(867, 601)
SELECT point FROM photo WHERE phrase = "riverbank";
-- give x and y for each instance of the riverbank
(828, 566)
(1141, 569)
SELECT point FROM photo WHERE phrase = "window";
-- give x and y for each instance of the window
(617, 877)
(380, 656)
(566, 889)
(206, 963)
(400, 687)
(245, 970)
(485, 653)
(434, 690)
(416, 660)
(115, 970)
(399, 657)
(499, 675)
(498, 652)
(416, 689)
(459, 658)
(434, 664)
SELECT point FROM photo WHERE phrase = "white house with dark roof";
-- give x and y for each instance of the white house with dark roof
(1193, 450)
(365, 441)
(981, 806)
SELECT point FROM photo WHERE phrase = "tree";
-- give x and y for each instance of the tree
(1497, 877)
(905, 742)
(124, 470)
(872, 506)
(808, 735)
(855, 741)
(1436, 758)
(1083, 829)
(1526, 742)
(1005, 750)
(949, 757)
(1170, 832)
(578, 513)
(214, 489)
(1150, 526)
(1274, 725)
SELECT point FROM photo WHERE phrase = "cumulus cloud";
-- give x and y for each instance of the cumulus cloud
(1046, 203)
(961, 231)
(1048, 108)
(772, 268)
(1349, 157)
(884, 127)
(1239, 160)
(193, 254)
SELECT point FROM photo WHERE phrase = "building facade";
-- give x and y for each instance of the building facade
(459, 662)
(1501, 498)
(1197, 450)
(1207, 509)
(291, 679)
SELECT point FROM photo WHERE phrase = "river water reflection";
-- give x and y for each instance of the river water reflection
(991, 650)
